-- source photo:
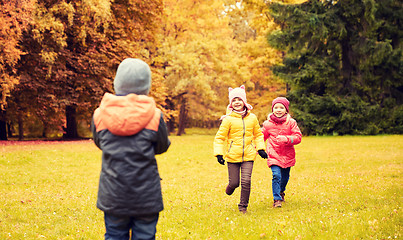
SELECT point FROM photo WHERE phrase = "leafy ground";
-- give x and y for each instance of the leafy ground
(346, 187)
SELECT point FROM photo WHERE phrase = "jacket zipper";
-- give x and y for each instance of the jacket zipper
(243, 139)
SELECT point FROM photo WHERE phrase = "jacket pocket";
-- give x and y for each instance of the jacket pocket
(253, 146)
(250, 151)
(230, 146)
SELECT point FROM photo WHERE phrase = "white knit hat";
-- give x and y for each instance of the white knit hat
(238, 92)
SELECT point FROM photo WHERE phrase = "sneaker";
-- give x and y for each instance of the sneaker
(229, 191)
(277, 204)
(244, 211)
(282, 194)
(242, 208)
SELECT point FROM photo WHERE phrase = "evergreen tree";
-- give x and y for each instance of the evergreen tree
(343, 64)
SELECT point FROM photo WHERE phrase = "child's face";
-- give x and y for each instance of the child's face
(237, 104)
(279, 110)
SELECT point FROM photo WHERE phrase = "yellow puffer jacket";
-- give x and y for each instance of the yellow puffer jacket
(238, 139)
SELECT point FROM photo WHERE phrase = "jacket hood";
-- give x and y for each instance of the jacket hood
(125, 115)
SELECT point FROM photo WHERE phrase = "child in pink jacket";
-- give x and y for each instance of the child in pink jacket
(282, 133)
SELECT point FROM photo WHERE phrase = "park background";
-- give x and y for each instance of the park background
(338, 62)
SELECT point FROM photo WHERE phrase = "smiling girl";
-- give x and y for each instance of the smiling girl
(282, 133)
(238, 141)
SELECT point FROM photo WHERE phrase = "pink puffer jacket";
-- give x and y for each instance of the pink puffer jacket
(281, 154)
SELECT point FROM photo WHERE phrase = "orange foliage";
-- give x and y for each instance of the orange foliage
(14, 17)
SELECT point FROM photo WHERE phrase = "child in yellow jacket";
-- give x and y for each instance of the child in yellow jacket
(238, 141)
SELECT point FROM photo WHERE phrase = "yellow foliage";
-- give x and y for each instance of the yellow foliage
(208, 46)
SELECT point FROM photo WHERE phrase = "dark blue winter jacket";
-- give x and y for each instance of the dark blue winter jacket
(129, 130)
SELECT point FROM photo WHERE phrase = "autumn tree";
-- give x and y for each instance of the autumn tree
(251, 23)
(201, 61)
(14, 17)
(65, 44)
(75, 48)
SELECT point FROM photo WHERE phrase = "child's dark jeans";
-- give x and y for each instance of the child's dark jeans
(118, 227)
(246, 174)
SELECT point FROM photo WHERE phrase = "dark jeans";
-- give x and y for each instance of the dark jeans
(233, 175)
(279, 181)
(118, 227)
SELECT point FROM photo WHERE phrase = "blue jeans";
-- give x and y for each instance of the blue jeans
(118, 227)
(279, 181)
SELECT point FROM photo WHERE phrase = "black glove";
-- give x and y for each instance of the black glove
(262, 153)
(220, 159)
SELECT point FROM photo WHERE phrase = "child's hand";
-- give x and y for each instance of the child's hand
(262, 153)
(220, 159)
(281, 139)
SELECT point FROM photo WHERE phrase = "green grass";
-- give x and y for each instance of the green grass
(346, 187)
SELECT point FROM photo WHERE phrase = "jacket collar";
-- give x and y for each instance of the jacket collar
(125, 115)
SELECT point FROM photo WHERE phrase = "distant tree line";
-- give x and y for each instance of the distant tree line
(339, 62)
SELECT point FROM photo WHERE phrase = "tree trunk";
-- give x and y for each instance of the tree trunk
(3, 125)
(71, 123)
(171, 125)
(182, 116)
(10, 132)
(45, 129)
(20, 126)
(3, 130)
(347, 67)
(171, 120)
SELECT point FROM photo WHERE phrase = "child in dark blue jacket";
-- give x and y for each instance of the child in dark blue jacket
(130, 130)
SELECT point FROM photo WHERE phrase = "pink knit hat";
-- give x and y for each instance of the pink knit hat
(281, 100)
(238, 92)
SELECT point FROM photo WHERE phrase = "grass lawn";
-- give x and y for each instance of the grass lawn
(342, 187)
